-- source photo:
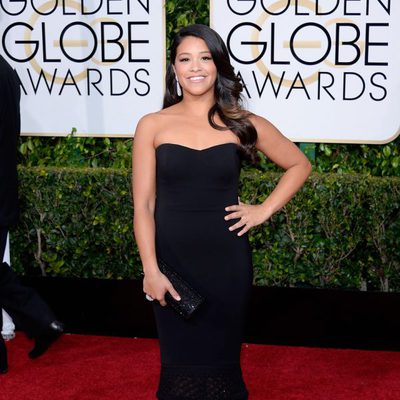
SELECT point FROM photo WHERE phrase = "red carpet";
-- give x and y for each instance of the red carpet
(80, 367)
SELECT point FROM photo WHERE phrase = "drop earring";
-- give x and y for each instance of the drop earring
(178, 87)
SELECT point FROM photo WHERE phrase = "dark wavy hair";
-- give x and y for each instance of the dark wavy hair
(228, 89)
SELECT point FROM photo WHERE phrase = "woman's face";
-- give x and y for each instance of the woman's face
(195, 67)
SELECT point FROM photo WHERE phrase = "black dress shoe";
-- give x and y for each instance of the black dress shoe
(3, 357)
(44, 341)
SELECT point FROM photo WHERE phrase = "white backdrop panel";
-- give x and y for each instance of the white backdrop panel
(322, 71)
(97, 65)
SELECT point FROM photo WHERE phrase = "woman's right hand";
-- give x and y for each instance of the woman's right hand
(156, 284)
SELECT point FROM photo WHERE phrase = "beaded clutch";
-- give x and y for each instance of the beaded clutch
(190, 299)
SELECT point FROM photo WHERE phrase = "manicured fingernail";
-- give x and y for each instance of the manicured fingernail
(177, 298)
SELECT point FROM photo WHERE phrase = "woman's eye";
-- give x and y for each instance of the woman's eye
(183, 59)
(206, 58)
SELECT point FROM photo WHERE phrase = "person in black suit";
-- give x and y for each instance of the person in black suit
(24, 305)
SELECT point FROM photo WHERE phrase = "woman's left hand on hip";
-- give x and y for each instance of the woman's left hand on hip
(249, 215)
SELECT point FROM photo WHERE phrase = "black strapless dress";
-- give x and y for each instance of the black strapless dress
(200, 358)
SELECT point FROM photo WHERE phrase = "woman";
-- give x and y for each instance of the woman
(186, 166)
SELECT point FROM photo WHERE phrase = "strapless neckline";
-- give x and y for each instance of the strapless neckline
(196, 150)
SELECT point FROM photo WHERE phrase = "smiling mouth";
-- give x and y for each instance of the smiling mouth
(196, 78)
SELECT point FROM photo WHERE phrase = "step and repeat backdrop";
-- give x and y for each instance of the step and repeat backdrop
(97, 65)
(322, 71)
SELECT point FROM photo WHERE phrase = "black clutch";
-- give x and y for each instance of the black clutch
(190, 299)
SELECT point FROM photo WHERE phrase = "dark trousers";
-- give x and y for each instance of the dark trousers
(27, 309)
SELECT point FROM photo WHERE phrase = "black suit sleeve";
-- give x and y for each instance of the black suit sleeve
(9, 131)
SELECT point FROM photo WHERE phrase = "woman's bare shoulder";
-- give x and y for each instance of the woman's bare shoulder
(148, 120)
(159, 118)
(170, 111)
(152, 124)
(260, 123)
(149, 123)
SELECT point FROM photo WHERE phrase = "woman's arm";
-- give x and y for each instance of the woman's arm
(144, 193)
(288, 156)
(284, 153)
(155, 283)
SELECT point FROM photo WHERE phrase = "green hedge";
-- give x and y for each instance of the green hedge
(339, 231)
(75, 223)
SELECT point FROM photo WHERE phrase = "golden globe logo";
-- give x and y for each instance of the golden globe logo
(53, 37)
(311, 55)
(67, 51)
